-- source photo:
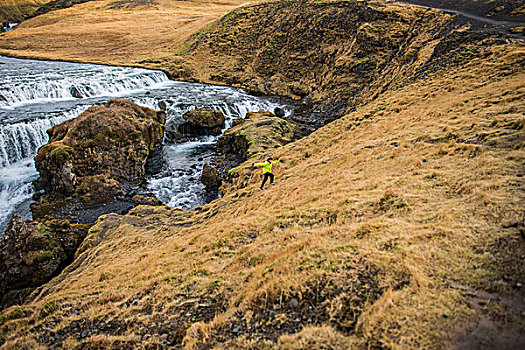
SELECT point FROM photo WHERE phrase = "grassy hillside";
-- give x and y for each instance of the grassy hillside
(109, 31)
(330, 55)
(388, 228)
(12, 11)
(398, 226)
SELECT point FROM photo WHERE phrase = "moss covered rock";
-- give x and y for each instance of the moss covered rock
(205, 118)
(197, 122)
(32, 252)
(111, 141)
(257, 134)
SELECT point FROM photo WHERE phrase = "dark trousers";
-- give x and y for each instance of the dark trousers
(265, 177)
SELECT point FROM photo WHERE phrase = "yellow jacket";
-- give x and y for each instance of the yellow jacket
(267, 166)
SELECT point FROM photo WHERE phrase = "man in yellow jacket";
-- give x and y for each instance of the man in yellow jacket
(267, 170)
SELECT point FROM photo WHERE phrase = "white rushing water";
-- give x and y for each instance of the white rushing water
(36, 95)
(10, 27)
(25, 86)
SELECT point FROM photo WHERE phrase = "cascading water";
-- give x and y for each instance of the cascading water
(36, 95)
(23, 85)
(10, 27)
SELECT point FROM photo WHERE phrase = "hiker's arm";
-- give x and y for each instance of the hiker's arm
(258, 164)
(275, 161)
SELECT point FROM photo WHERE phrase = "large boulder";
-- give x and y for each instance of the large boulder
(110, 142)
(32, 252)
(205, 118)
(197, 122)
(210, 178)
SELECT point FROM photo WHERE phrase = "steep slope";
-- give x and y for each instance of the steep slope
(330, 56)
(16, 10)
(498, 10)
(399, 225)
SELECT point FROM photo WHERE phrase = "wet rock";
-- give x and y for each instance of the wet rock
(205, 118)
(209, 177)
(75, 92)
(198, 122)
(279, 112)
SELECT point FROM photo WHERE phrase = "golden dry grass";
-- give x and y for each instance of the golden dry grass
(98, 32)
(15, 10)
(401, 201)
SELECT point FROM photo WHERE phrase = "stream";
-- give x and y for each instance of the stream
(36, 95)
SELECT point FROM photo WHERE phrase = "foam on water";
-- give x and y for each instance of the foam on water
(15, 187)
(58, 81)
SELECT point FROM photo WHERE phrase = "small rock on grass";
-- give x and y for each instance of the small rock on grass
(510, 223)
(294, 303)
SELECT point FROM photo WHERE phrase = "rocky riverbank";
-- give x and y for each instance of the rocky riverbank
(259, 134)
(92, 165)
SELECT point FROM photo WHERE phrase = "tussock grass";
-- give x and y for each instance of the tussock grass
(371, 229)
(16, 10)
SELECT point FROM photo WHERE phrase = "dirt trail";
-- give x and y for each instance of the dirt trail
(502, 26)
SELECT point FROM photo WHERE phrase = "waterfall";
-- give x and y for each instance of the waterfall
(52, 87)
(21, 140)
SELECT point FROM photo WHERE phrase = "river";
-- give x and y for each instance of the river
(35, 95)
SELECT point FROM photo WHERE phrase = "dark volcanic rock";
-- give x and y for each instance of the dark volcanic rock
(209, 177)
(32, 252)
(198, 122)
(75, 92)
